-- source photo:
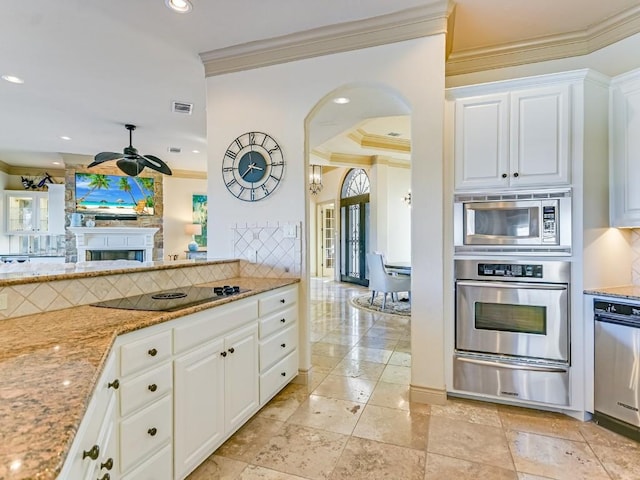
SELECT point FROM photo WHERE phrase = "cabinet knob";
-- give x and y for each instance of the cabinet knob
(153, 352)
(108, 464)
(92, 454)
(282, 320)
(284, 374)
(504, 175)
(153, 387)
(115, 384)
(224, 354)
(231, 350)
(282, 300)
(283, 345)
(516, 174)
(106, 476)
(152, 431)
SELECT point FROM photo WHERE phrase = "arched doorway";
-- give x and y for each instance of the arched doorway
(355, 214)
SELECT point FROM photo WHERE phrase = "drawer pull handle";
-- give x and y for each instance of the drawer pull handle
(231, 350)
(284, 374)
(106, 476)
(224, 354)
(282, 300)
(283, 345)
(108, 464)
(153, 387)
(153, 352)
(92, 454)
(115, 384)
(516, 174)
(504, 175)
(152, 431)
(282, 320)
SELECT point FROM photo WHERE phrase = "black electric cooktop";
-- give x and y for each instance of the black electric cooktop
(171, 300)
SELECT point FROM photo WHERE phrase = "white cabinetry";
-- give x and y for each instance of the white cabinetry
(512, 134)
(93, 452)
(624, 137)
(35, 212)
(145, 398)
(216, 383)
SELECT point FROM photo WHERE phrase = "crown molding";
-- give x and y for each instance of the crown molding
(4, 167)
(581, 42)
(399, 26)
(391, 162)
(349, 160)
(194, 174)
(32, 171)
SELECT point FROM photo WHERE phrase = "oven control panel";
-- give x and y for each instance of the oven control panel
(509, 270)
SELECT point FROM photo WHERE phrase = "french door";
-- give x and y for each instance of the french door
(354, 214)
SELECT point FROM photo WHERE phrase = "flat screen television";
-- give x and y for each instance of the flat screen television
(114, 195)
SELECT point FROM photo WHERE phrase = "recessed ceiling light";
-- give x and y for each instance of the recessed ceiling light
(180, 6)
(56, 163)
(196, 151)
(341, 100)
(12, 79)
(64, 137)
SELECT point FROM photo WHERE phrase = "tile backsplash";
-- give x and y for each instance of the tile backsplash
(635, 256)
(272, 249)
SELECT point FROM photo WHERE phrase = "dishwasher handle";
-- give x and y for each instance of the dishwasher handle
(614, 319)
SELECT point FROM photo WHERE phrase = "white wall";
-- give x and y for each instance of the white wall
(277, 100)
(178, 212)
(4, 239)
(399, 215)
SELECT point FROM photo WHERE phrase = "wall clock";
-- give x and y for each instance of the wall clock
(253, 166)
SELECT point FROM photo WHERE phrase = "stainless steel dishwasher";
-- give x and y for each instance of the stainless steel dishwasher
(617, 366)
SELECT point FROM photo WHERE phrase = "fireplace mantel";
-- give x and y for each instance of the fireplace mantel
(114, 238)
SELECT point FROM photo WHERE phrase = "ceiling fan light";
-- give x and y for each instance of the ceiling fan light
(180, 6)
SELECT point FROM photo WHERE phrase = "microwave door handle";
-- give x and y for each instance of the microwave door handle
(519, 366)
(513, 285)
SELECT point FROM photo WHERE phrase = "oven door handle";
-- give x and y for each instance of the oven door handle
(512, 366)
(513, 285)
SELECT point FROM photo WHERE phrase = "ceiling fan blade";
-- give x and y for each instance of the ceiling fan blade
(130, 167)
(155, 163)
(104, 157)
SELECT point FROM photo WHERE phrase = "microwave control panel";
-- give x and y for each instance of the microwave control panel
(509, 270)
(549, 223)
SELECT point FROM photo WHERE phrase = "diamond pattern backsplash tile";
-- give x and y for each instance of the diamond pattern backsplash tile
(270, 250)
(30, 298)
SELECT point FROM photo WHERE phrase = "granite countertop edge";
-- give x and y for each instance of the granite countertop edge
(41, 352)
(629, 292)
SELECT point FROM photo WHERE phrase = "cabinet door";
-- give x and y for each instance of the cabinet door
(241, 381)
(625, 152)
(540, 136)
(198, 405)
(481, 142)
(21, 212)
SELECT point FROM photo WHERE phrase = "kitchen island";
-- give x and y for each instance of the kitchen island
(49, 365)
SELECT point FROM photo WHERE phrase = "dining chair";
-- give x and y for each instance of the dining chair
(381, 281)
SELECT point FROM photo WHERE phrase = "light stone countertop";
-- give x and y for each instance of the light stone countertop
(49, 364)
(629, 292)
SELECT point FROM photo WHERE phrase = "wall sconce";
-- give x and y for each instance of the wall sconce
(407, 198)
(315, 179)
(193, 229)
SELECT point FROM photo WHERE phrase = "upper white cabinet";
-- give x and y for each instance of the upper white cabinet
(624, 141)
(512, 134)
(35, 212)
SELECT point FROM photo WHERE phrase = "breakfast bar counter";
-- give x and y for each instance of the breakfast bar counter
(49, 364)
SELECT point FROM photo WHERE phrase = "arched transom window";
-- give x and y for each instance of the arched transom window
(355, 183)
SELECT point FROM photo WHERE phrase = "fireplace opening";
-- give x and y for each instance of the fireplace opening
(137, 255)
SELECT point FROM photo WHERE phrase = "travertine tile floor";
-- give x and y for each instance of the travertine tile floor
(355, 421)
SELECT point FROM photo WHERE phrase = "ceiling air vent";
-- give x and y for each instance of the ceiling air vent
(174, 150)
(182, 107)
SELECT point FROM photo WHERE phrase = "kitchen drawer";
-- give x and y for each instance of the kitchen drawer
(145, 432)
(278, 376)
(157, 467)
(145, 353)
(145, 389)
(278, 321)
(283, 298)
(206, 325)
(278, 346)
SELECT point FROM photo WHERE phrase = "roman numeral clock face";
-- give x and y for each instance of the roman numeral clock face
(253, 166)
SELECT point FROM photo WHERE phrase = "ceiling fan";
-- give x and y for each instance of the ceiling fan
(130, 161)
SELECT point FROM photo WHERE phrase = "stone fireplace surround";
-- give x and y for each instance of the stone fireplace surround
(114, 239)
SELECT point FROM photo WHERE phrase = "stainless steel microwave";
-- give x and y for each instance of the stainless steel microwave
(522, 222)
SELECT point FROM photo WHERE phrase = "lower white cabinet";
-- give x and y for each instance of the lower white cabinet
(174, 392)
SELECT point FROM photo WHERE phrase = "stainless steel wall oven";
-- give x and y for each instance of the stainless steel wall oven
(512, 329)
